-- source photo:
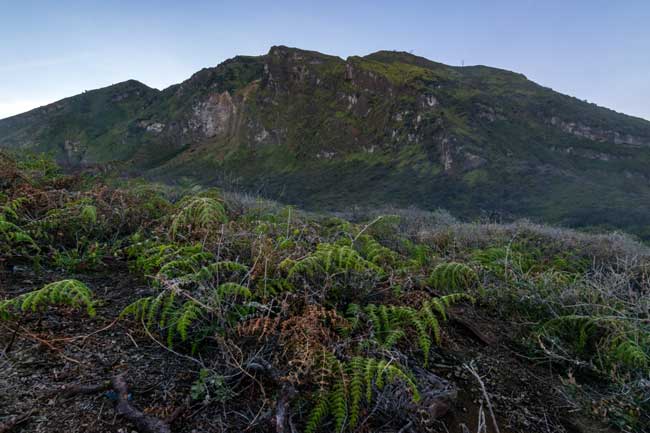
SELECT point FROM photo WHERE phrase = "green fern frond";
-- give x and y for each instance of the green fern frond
(188, 314)
(357, 374)
(393, 372)
(431, 321)
(197, 214)
(338, 403)
(169, 314)
(188, 264)
(453, 277)
(331, 259)
(213, 270)
(629, 353)
(88, 214)
(391, 323)
(71, 293)
(320, 410)
(229, 290)
(16, 241)
(455, 298)
(369, 372)
(615, 342)
(352, 313)
(149, 257)
(350, 386)
(138, 309)
(375, 252)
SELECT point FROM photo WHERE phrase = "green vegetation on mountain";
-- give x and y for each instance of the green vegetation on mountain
(388, 128)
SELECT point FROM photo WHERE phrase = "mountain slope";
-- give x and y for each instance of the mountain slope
(390, 127)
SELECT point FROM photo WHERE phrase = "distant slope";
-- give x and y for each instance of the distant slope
(390, 127)
(93, 126)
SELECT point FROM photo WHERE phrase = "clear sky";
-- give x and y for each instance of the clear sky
(598, 50)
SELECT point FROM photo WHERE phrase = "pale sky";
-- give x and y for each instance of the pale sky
(598, 50)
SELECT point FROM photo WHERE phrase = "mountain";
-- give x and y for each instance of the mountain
(388, 128)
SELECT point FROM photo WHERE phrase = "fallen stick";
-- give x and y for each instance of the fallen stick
(143, 423)
(282, 415)
(72, 390)
(474, 373)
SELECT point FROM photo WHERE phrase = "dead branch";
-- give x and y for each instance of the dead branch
(143, 423)
(282, 417)
(76, 389)
(472, 369)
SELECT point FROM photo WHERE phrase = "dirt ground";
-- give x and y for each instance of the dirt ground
(66, 348)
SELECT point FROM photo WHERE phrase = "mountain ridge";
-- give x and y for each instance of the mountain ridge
(386, 128)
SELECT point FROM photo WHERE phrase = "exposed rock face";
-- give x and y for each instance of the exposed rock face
(214, 116)
(74, 150)
(598, 134)
(152, 127)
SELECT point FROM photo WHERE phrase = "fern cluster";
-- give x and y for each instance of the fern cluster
(609, 341)
(330, 260)
(375, 252)
(169, 260)
(175, 315)
(70, 223)
(70, 293)
(214, 271)
(351, 384)
(391, 323)
(453, 277)
(14, 241)
(504, 260)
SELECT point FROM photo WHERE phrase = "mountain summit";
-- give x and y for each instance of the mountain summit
(386, 128)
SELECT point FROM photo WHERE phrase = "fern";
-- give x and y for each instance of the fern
(338, 402)
(168, 312)
(186, 264)
(320, 410)
(188, 314)
(392, 323)
(70, 223)
(357, 374)
(149, 258)
(453, 277)
(175, 317)
(214, 270)
(228, 290)
(71, 293)
(15, 241)
(141, 308)
(629, 353)
(329, 260)
(375, 252)
(88, 214)
(616, 342)
(343, 396)
(197, 215)
(353, 312)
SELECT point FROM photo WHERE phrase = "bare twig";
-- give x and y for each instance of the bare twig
(472, 369)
